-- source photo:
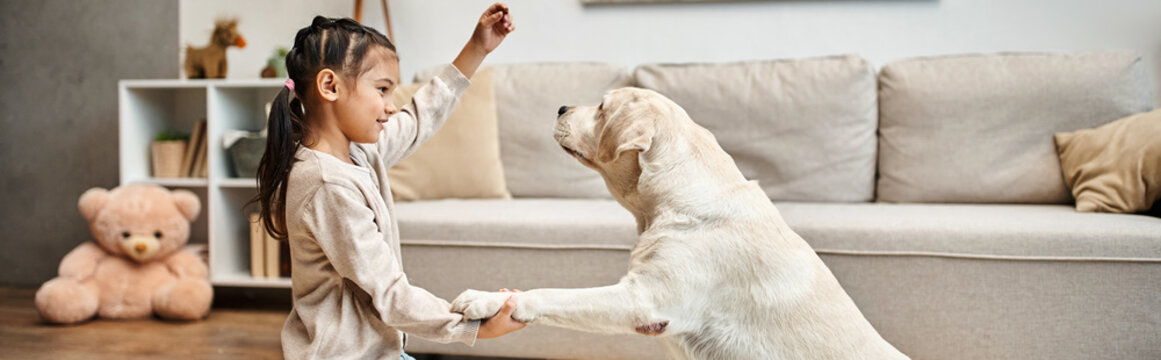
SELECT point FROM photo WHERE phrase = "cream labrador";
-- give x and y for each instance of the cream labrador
(715, 273)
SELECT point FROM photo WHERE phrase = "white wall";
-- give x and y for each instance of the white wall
(432, 32)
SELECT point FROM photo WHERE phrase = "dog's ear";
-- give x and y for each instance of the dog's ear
(626, 130)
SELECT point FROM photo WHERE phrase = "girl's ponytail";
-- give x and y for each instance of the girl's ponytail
(284, 136)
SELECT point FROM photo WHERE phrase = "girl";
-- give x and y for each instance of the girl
(333, 133)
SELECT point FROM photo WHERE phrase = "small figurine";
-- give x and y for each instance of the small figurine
(210, 62)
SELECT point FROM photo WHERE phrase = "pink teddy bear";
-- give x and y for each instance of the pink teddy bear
(136, 267)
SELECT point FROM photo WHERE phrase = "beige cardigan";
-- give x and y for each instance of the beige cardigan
(351, 297)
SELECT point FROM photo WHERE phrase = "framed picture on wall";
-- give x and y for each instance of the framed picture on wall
(609, 2)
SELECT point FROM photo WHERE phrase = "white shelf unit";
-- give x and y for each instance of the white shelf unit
(148, 107)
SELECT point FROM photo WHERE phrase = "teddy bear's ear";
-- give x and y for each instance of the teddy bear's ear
(92, 201)
(187, 202)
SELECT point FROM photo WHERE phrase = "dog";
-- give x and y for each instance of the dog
(715, 273)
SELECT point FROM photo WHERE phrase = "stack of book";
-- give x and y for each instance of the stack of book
(269, 257)
(193, 162)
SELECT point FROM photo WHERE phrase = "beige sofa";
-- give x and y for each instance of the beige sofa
(931, 188)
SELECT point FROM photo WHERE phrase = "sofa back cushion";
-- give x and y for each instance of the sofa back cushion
(527, 99)
(978, 128)
(805, 129)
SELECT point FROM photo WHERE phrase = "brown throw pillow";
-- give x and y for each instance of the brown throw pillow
(1115, 167)
(462, 159)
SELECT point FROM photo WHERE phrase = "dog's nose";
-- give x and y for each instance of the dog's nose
(563, 109)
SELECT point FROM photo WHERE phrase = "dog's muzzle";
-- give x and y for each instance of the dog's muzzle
(561, 131)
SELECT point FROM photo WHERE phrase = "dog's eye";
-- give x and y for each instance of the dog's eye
(125, 234)
(157, 234)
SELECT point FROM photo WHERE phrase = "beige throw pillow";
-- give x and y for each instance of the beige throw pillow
(462, 159)
(527, 98)
(1115, 167)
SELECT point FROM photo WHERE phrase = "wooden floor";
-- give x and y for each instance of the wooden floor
(228, 333)
(244, 324)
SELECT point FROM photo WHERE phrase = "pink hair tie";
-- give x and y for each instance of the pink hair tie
(290, 84)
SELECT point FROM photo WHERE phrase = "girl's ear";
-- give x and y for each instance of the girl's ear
(327, 83)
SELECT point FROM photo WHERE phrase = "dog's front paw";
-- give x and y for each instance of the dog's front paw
(477, 305)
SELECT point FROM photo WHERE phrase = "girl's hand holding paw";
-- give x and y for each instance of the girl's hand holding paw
(502, 323)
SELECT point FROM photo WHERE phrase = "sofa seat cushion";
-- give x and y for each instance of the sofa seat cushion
(913, 269)
(974, 230)
(452, 245)
(1022, 232)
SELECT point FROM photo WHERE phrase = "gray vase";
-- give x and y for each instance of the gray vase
(245, 155)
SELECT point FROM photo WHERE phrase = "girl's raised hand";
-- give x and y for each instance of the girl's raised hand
(494, 25)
